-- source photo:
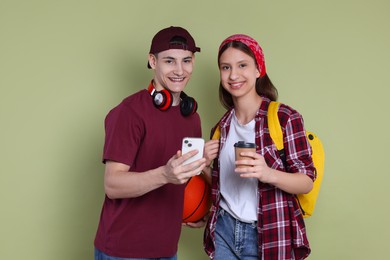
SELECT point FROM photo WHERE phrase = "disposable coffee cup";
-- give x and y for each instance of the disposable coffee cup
(242, 146)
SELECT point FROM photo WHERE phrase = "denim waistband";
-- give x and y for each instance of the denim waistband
(223, 212)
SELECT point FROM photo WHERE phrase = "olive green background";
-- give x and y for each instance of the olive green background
(64, 64)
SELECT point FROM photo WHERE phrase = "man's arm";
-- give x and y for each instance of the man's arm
(120, 183)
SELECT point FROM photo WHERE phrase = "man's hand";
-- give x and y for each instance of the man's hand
(177, 173)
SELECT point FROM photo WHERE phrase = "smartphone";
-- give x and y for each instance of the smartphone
(192, 143)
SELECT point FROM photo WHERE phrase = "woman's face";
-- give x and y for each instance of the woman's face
(238, 72)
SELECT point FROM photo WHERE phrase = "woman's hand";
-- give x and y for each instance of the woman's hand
(211, 149)
(294, 183)
(255, 167)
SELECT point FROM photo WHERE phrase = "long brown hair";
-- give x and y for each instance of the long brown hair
(264, 86)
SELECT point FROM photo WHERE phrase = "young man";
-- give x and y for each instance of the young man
(144, 174)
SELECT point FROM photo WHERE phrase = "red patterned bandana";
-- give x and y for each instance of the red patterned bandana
(253, 45)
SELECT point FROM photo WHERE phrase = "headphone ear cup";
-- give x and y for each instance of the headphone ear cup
(162, 99)
(188, 106)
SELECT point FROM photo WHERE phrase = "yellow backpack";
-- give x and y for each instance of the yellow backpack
(307, 201)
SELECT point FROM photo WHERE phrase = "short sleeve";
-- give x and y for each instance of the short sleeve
(124, 132)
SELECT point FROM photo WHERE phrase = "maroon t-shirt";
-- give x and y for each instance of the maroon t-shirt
(143, 137)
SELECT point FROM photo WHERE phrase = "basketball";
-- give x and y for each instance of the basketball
(197, 199)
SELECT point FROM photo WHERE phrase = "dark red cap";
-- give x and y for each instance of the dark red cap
(164, 40)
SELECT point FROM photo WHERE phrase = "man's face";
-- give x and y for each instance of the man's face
(172, 69)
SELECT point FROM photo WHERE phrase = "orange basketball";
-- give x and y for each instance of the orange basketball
(197, 199)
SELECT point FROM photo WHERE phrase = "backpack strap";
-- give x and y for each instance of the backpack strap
(217, 133)
(274, 127)
(275, 130)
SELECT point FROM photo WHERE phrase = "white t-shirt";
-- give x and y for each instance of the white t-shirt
(239, 195)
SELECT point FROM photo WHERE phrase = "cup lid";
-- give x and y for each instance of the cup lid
(243, 144)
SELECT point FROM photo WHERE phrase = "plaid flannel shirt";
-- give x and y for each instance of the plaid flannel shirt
(280, 225)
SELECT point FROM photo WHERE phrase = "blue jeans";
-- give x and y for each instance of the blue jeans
(235, 239)
(99, 255)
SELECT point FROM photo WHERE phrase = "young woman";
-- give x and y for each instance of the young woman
(255, 214)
